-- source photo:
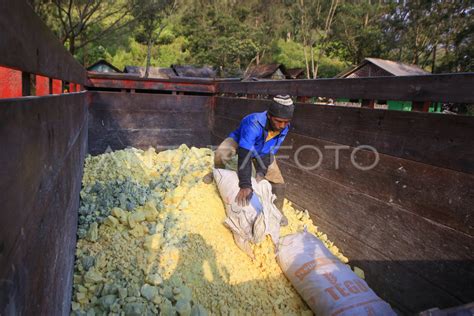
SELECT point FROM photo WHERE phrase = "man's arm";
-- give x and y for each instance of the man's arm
(245, 176)
(244, 168)
(261, 167)
(249, 133)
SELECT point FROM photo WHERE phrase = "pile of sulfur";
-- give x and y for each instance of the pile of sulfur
(151, 240)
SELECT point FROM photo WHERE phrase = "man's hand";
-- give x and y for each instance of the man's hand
(244, 196)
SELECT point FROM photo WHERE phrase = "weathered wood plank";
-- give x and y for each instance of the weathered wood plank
(27, 44)
(149, 102)
(39, 277)
(397, 233)
(36, 135)
(440, 140)
(439, 194)
(118, 120)
(438, 88)
(44, 141)
(131, 119)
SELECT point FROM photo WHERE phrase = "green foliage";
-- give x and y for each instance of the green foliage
(358, 30)
(288, 53)
(218, 40)
(330, 67)
(172, 53)
(134, 54)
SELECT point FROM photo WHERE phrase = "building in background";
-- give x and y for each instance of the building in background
(194, 72)
(153, 72)
(376, 67)
(265, 71)
(295, 73)
(104, 67)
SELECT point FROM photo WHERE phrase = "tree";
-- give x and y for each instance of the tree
(424, 32)
(266, 21)
(455, 38)
(151, 16)
(315, 19)
(219, 35)
(358, 30)
(77, 17)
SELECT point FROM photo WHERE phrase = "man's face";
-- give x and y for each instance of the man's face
(277, 123)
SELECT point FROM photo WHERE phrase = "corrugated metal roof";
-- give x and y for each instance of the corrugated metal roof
(154, 72)
(102, 65)
(394, 68)
(294, 73)
(194, 72)
(397, 68)
(263, 70)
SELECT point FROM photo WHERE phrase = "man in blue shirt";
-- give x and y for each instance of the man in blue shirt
(256, 141)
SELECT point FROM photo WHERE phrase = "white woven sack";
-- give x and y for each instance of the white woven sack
(254, 221)
(327, 285)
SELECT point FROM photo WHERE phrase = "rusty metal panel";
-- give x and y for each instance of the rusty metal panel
(118, 81)
(27, 44)
(438, 88)
(43, 143)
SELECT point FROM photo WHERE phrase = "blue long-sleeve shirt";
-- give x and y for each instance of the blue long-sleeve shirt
(251, 136)
(252, 133)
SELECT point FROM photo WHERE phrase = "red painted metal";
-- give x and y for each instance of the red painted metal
(57, 86)
(42, 85)
(10, 83)
(72, 87)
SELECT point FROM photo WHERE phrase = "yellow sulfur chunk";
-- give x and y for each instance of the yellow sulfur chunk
(136, 218)
(360, 273)
(93, 234)
(138, 231)
(92, 276)
(334, 250)
(80, 297)
(120, 214)
(152, 242)
(81, 289)
(150, 212)
(75, 306)
(111, 221)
